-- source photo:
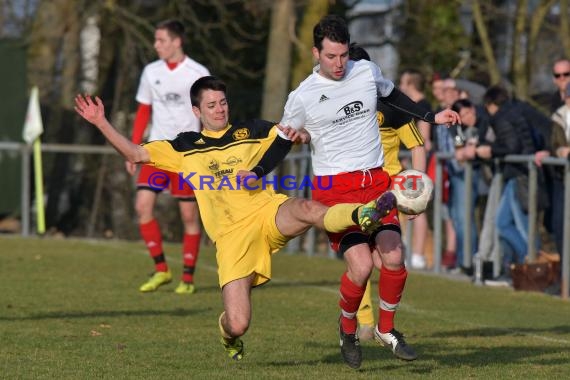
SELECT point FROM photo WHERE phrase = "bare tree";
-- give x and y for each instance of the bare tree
(519, 62)
(481, 26)
(565, 26)
(312, 13)
(277, 67)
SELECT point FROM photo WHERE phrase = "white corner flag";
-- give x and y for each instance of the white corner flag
(33, 127)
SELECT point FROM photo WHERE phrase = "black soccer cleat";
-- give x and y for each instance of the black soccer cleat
(395, 340)
(350, 348)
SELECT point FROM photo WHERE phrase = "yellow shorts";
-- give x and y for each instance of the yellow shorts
(248, 248)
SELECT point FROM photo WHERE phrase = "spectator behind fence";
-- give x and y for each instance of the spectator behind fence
(437, 83)
(412, 84)
(465, 138)
(443, 143)
(561, 148)
(513, 135)
(561, 78)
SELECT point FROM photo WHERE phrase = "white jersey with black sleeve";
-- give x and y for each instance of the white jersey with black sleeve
(168, 92)
(341, 118)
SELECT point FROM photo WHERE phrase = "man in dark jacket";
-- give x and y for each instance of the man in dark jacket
(513, 136)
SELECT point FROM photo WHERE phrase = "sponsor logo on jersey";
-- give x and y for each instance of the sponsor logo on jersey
(349, 112)
(323, 98)
(241, 134)
(223, 173)
(214, 165)
(232, 161)
(172, 97)
(351, 107)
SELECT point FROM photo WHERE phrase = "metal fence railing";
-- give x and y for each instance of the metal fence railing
(298, 164)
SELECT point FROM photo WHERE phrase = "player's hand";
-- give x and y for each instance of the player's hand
(131, 167)
(91, 110)
(247, 178)
(447, 117)
(298, 136)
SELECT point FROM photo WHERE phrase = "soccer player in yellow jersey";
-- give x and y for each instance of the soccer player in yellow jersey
(246, 219)
(395, 128)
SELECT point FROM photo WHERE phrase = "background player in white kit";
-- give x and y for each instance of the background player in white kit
(336, 106)
(164, 93)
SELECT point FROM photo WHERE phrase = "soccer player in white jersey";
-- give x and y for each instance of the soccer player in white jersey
(164, 93)
(336, 106)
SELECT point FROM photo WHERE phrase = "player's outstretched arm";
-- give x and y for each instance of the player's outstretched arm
(94, 112)
(447, 117)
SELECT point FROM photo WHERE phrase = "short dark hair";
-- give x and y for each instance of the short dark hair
(332, 27)
(497, 95)
(205, 83)
(357, 52)
(460, 104)
(416, 78)
(174, 28)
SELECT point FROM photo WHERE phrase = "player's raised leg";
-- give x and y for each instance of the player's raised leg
(297, 215)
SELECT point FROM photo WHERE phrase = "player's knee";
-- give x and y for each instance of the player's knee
(309, 208)
(143, 210)
(188, 211)
(389, 241)
(359, 269)
(237, 325)
(360, 274)
(391, 249)
(189, 219)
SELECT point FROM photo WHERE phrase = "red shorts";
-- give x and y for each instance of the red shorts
(360, 186)
(151, 178)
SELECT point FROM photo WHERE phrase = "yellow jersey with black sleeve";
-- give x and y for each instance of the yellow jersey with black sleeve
(209, 162)
(396, 128)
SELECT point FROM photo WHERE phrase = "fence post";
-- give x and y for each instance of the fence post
(437, 216)
(565, 259)
(497, 249)
(467, 248)
(532, 191)
(26, 186)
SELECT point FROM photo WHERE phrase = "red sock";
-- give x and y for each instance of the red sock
(152, 237)
(390, 288)
(350, 298)
(190, 249)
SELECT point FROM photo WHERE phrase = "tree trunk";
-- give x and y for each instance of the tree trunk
(565, 26)
(519, 57)
(278, 64)
(53, 66)
(313, 13)
(493, 69)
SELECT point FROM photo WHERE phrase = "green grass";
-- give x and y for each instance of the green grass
(70, 309)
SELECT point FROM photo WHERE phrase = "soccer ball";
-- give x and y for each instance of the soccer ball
(413, 190)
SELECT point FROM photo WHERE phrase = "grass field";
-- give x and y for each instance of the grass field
(70, 309)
